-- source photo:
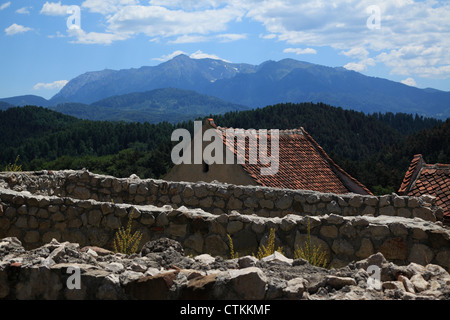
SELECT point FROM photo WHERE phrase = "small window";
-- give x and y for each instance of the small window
(205, 167)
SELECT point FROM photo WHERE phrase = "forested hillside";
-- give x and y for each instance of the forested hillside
(376, 149)
(168, 104)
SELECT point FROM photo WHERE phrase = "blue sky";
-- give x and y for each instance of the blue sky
(43, 44)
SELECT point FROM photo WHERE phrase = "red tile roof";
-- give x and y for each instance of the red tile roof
(432, 179)
(303, 164)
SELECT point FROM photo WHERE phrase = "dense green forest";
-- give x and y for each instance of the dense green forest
(376, 149)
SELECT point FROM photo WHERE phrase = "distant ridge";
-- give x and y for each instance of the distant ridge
(168, 104)
(26, 100)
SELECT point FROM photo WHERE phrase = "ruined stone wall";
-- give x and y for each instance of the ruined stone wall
(88, 209)
(218, 198)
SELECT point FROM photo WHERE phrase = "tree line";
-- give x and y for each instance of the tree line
(374, 148)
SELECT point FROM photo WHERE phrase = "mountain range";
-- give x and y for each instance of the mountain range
(124, 94)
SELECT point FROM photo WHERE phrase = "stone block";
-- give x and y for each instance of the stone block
(404, 212)
(329, 231)
(371, 201)
(284, 203)
(194, 242)
(187, 192)
(387, 211)
(95, 217)
(384, 201)
(334, 219)
(356, 201)
(234, 226)
(248, 284)
(81, 193)
(379, 232)
(112, 222)
(313, 199)
(399, 202)
(342, 247)
(424, 213)
(348, 231)
(266, 204)
(333, 207)
(413, 202)
(366, 249)
(200, 191)
(419, 283)
(31, 237)
(421, 254)
(22, 222)
(369, 211)
(394, 249)
(214, 245)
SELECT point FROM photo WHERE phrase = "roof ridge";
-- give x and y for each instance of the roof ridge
(412, 173)
(299, 130)
(334, 164)
(438, 166)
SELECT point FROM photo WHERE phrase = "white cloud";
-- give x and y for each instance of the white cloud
(201, 55)
(189, 39)
(107, 6)
(360, 65)
(409, 82)
(57, 35)
(196, 55)
(54, 9)
(300, 51)
(268, 36)
(170, 56)
(157, 21)
(357, 52)
(189, 5)
(429, 62)
(229, 37)
(16, 29)
(50, 86)
(405, 25)
(5, 5)
(24, 10)
(95, 37)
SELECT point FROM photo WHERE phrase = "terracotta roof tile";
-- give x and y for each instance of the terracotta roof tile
(432, 179)
(303, 164)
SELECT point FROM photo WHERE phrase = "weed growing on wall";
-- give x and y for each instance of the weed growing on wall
(313, 254)
(14, 167)
(124, 241)
(264, 251)
(233, 255)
